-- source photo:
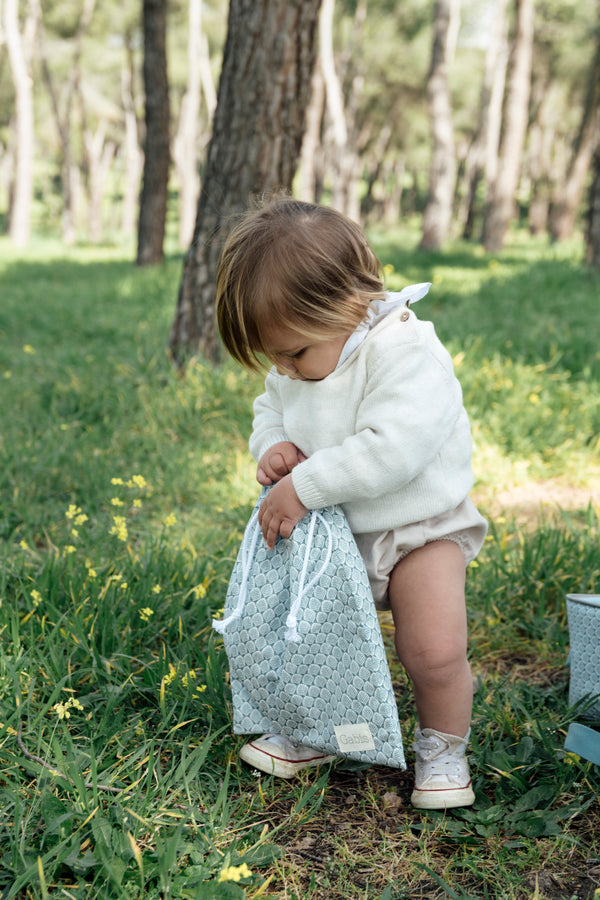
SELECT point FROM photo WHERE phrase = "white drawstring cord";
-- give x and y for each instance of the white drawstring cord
(292, 619)
(247, 556)
(247, 559)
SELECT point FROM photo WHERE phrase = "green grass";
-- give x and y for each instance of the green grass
(124, 490)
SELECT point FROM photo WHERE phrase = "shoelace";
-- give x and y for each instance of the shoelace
(248, 550)
(443, 764)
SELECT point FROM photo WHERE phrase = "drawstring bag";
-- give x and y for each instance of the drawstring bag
(583, 611)
(305, 650)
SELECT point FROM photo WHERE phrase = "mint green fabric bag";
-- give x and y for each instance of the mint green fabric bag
(583, 611)
(304, 644)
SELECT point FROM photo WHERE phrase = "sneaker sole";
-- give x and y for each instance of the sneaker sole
(275, 765)
(443, 798)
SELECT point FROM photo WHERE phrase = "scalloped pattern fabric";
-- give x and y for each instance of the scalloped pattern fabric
(584, 631)
(304, 671)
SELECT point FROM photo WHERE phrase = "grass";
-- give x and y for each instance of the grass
(124, 490)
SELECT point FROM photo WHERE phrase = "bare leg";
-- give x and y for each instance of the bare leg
(427, 597)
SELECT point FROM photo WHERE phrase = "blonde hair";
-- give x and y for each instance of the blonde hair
(293, 264)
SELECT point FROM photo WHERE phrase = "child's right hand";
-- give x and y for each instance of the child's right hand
(278, 461)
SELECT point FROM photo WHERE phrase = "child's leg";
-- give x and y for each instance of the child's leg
(427, 597)
(428, 605)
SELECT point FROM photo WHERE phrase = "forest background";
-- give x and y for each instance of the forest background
(125, 486)
(445, 109)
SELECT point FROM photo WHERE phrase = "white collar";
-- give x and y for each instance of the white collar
(378, 310)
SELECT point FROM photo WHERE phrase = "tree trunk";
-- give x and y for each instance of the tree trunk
(20, 49)
(311, 158)
(64, 119)
(185, 150)
(341, 132)
(541, 141)
(257, 135)
(566, 203)
(593, 218)
(442, 172)
(100, 154)
(500, 208)
(134, 159)
(153, 202)
(484, 158)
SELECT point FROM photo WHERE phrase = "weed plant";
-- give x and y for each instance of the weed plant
(124, 491)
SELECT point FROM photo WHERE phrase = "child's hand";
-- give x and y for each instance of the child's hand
(280, 512)
(278, 461)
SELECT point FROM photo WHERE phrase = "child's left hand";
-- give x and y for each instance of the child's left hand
(280, 511)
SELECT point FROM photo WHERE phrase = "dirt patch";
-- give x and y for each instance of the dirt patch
(533, 502)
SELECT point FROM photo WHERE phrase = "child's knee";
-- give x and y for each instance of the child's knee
(435, 664)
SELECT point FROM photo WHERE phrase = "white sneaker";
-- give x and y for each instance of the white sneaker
(442, 778)
(277, 755)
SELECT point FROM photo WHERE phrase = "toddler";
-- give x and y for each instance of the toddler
(362, 408)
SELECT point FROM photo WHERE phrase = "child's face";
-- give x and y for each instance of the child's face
(304, 358)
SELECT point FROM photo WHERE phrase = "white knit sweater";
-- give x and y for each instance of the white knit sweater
(386, 434)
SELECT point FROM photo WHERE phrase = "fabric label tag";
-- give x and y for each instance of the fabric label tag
(352, 738)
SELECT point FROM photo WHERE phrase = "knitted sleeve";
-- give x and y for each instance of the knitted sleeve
(267, 427)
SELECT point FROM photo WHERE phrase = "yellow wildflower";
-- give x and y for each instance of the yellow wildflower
(37, 598)
(70, 549)
(139, 481)
(27, 348)
(145, 613)
(235, 873)
(170, 520)
(63, 710)
(156, 589)
(24, 545)
(137, 504)
(115, 501)
(116, 481)
(172, 674)
(80, 519)
(185, 680)
(199, 591)
(119, 528)
(73, 511)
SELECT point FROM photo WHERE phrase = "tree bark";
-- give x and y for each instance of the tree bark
(263, 93)
(20, 50)
(157, 158)
(442, 172)
(500, 207)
